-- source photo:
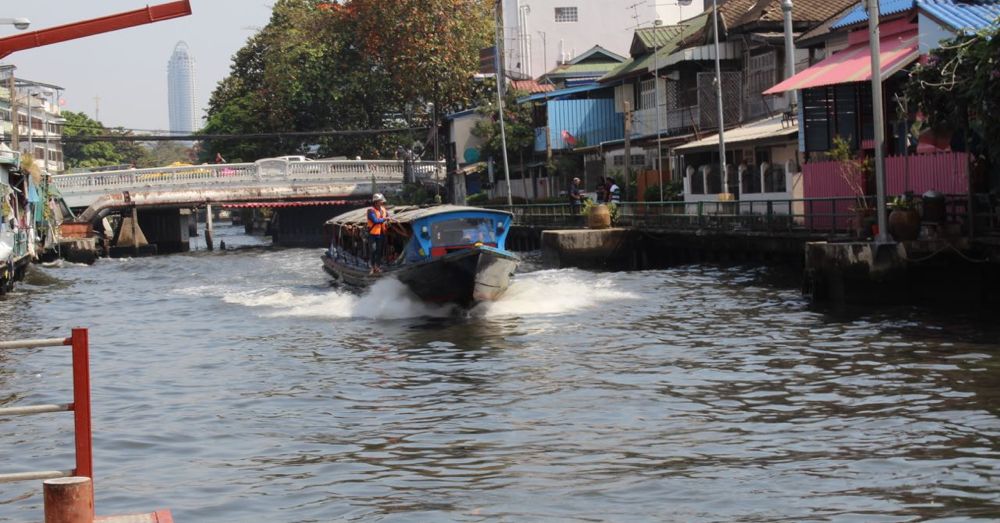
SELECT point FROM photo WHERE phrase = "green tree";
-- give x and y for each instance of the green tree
(353, 65)
(166, 153)
(958, 89)
(132, 152)
(87, 154)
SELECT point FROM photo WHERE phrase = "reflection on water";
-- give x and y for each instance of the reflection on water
(240, 386)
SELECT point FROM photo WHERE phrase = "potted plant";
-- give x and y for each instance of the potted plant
(904, 220)
(855, 171)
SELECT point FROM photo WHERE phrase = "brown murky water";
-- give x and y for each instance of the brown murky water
(239, 386)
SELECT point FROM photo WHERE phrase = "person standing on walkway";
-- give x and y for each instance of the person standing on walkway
(575, 196)
(378, 223)
(614, 192)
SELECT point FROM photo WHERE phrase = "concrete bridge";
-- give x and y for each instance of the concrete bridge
(304, 193)
(241, 182)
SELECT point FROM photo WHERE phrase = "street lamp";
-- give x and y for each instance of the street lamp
(19, 23)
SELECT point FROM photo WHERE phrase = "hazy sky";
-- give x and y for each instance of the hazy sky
(127, 69)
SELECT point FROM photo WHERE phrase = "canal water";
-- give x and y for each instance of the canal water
(239, 386)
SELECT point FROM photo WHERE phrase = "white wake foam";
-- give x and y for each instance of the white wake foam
(551, 292)
(554, 292)
(386, 299)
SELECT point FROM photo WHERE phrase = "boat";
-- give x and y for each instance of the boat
(442, 253)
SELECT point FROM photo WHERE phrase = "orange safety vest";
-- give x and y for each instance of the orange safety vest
(376, 229)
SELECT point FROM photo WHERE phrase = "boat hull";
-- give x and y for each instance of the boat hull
(463, 277)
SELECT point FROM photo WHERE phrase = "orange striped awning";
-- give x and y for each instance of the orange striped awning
(854, 64)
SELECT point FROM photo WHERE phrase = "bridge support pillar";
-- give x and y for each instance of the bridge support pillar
(167, 228)
(208, 228)
(303, 226)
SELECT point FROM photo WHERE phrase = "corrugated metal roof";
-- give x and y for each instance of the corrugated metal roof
(641, 64)
(653, 37)
(562, 92)
(860, 14)
(531, 86)
(963, 16)
(854, 63)
(770, 130)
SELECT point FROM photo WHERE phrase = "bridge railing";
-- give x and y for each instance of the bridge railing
(80, 406)
(263, 171)
(186, 174)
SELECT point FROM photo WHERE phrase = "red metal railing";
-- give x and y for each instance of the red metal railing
(80, 406)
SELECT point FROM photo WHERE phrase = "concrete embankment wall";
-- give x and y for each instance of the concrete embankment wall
(939, 273)
(633, 249)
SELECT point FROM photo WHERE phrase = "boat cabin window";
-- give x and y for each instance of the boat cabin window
(463, 231)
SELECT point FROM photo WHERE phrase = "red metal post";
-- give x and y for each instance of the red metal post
(81, 404)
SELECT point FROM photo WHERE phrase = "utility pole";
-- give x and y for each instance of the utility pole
(501, 87)
(873, 43)
(786, 8)
(628, 148)
(545, 52)
(718, 82)
(15, 123)
(656, 104)
(97, 108)
(437, 153)
(31, 128)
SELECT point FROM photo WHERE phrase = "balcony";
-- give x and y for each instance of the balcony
(672, 121)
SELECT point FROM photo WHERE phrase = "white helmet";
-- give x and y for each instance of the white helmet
(378, 197)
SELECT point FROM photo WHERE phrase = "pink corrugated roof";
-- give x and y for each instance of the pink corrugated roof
(854, 64)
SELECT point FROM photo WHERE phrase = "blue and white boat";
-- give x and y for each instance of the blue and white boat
(443, 253)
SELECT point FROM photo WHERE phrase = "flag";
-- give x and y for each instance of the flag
(568, 138)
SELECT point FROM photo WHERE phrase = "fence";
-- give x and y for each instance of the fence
(946, 173)
(80, 406)
(830, 217)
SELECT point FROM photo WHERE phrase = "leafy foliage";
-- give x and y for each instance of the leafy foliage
(673, 191)
(958, 88)
(356, 64)
(517, 126)
(855, 170)
(87, 154)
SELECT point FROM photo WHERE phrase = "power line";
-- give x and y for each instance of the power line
(209, 137)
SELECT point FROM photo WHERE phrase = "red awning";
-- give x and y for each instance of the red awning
(854, 64)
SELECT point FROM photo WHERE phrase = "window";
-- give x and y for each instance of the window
(463, 231)
(566, 14)
(647, 94)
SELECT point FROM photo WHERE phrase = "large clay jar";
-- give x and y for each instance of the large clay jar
(904, 224)
(599, 217)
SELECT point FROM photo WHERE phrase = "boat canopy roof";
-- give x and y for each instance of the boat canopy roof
(409, 213)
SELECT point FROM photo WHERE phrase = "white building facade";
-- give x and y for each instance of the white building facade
(541, 34)
(180, 90)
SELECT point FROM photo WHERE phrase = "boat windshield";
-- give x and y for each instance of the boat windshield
(463, 231)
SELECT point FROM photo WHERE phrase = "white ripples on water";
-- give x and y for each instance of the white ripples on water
(241, 386)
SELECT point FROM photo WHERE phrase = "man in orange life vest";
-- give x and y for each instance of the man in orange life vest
(378, 222)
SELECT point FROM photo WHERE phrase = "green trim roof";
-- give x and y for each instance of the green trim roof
(588, 69)
(641, 64)
(650, 38)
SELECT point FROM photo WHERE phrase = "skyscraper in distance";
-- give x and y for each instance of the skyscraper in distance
(180, 90)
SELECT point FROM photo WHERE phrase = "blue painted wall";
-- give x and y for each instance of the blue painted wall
(589, 121)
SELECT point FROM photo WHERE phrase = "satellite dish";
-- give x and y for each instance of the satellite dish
(684, 3)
